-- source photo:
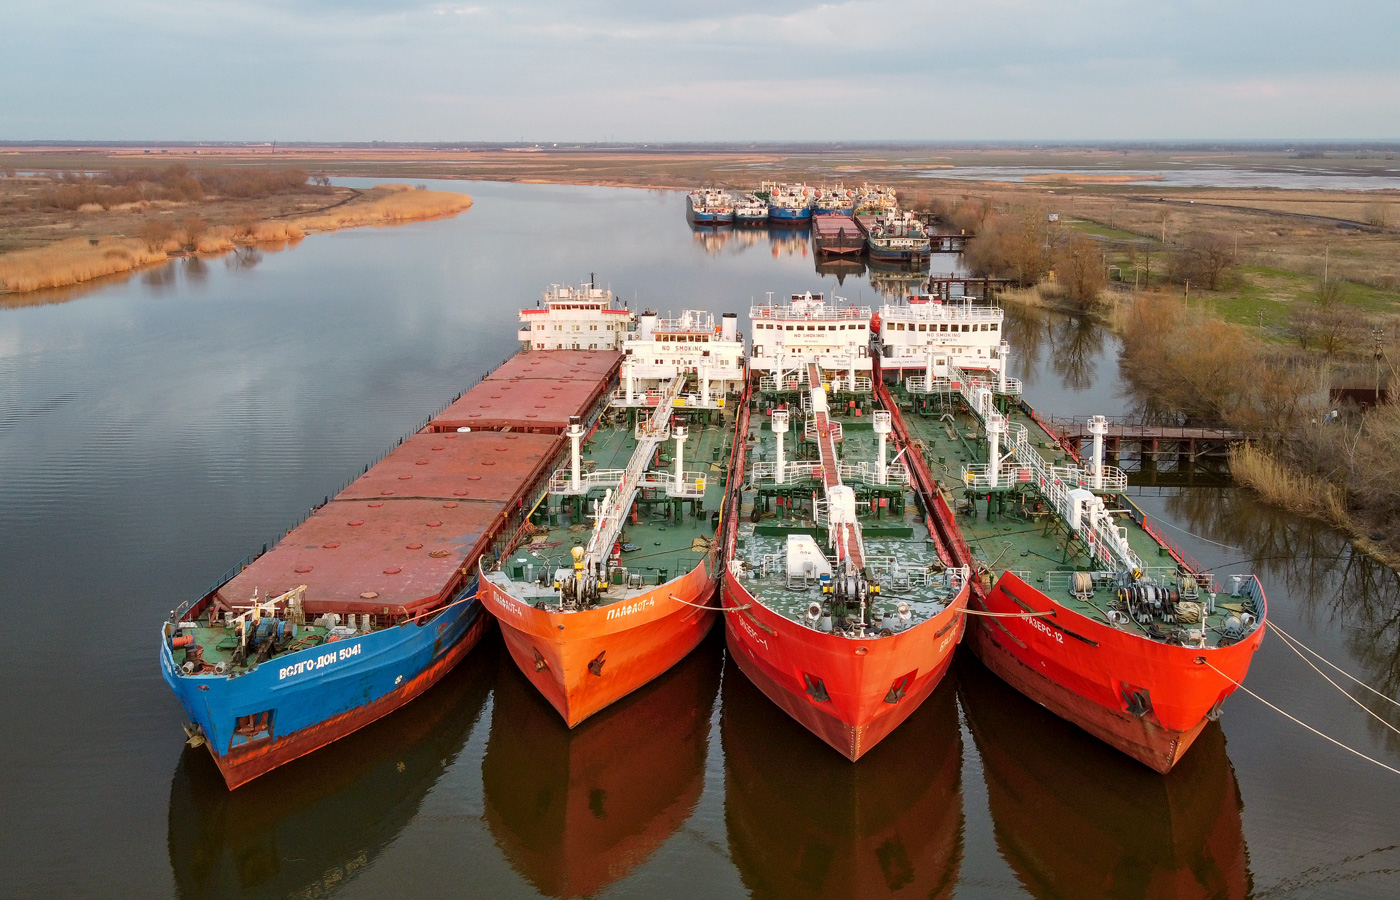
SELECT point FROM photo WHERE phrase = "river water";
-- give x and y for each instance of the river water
(155, 430)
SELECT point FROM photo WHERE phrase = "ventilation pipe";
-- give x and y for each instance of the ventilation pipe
(1004, 352)
(629, 377)
(780, 427)
(994, 426)
(883, 426)
(1098, 427)
(679, 433)
(704, 386)
(928, 369)
(575, 433)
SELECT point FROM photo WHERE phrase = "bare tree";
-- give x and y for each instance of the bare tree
(1206, 259)
(157, 233)
(194, 227)
(1080, 269)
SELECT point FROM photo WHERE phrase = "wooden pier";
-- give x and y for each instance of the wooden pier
(948, 243)
(1185, 446)
(942, 287)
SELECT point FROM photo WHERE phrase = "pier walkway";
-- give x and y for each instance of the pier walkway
(1182, 443)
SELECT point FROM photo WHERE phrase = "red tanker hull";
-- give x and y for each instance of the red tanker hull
(849, 692)
(585, 661)
(1147, 699)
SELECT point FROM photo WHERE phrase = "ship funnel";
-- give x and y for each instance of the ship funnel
(646, 325)
(729, 327)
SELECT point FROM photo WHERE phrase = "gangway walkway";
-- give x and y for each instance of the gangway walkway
(843, 526)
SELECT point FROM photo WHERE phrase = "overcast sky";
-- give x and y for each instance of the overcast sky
(637, 70)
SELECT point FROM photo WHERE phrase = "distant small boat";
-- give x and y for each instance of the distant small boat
(837, 235)
(875, 199)
(834, 200)
(789, 204)
(897, 236)
(710, 206)
(750, 209)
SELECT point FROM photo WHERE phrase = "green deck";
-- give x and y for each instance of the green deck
(1014, 529)
(671, 536)
(218, 642)
(901, 556)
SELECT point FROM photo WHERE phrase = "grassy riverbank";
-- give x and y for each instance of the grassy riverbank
(60, 232)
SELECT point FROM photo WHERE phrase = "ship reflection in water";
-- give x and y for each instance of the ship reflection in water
(804, 821)
(1075, 818)
(309, 827)
(575, 811)
(842, 268)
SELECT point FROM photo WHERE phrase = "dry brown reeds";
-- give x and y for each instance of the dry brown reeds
(389, 204)
(82, 259)
(71, 261)
(1283, 485)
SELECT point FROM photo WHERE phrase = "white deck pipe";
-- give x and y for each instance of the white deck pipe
(928, 370)
(780, 427)
(1098, 427)
(883, 426)
(1004, 352)
(679, 433)
(705, 386)
(575, 433)
(851, 349)
(628, 375)
(994, 426)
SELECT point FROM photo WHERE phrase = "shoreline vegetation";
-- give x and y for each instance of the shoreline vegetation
(1273, 310)
(172, 216)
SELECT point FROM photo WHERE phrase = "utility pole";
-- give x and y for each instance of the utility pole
(1377, 336)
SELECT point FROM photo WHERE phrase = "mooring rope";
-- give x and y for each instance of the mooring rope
(712, 608)
(1288, 637)
(1327, 737)
(1008, 615)
(1364, 708)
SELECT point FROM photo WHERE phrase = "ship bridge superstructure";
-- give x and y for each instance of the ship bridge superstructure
(662, 349)
(575, 318)
(788, 336)
(925, 333)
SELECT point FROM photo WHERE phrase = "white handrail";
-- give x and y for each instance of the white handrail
(1106, 541)
(612, 512)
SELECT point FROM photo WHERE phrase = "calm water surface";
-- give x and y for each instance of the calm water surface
(156, 430)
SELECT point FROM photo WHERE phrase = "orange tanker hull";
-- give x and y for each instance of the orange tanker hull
(850, 692)
(1148, 699)
(584, 661)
